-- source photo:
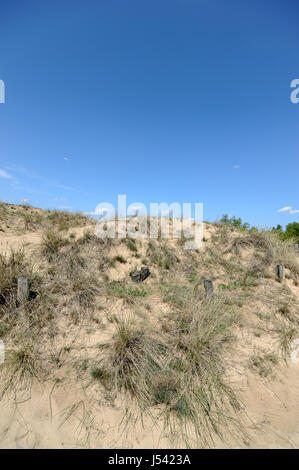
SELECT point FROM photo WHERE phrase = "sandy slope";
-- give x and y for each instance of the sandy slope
(29, 240)
(69, 415)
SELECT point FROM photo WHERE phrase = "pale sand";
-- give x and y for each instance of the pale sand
(69, 415)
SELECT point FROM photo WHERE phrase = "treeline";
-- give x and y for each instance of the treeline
(291, 230)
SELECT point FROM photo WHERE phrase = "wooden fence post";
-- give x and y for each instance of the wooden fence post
(23, 290)
(280, 271)
(208, 285)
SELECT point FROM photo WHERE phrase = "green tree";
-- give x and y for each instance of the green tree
(278, 229)
(233, 222)
(292, 231)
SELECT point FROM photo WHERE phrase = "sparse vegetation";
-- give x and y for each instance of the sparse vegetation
(286, 332)
(263, 364)
(133, 358)
(161, 256)
(52, 242)
(167, 347)
(11, 267)
(20, 217)
(22, 364)
(126, 292)
(131, 244)
(120, 259)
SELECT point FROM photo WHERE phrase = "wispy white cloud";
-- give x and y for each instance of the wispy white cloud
(35, 176)
(90, 213)
(61, 186)
(66, 158)
(21, 170)
(64, 208)
(60, 199)
(285, 209)
(288, 209)
(19, 187)
(4, 174)
(236, 166)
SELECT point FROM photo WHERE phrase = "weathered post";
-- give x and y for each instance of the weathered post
(23, 290)
(208, 285)
(280, 271)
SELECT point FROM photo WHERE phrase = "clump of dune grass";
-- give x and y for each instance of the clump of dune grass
(198, 398)
(63, 220)
(85, 288)
(22, 364)
(274, 250)
(3, 209)
(182, 372)
(286, 332)
(255, 239)
(131, 244)
(11, 268)
(89, 238)
(32, 221)
(223, 235)
(51, 244)
(133, 357)
(162, 256)
(181, 296)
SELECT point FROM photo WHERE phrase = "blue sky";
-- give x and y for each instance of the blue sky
(161, 100)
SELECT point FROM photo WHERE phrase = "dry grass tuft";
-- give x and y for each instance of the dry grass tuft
(22, 364)
(132, 358)
(10, 268)
(263, 363)
(286, 332)
(170, 361)
(52, 242)
(274, 250)
(182, 373)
